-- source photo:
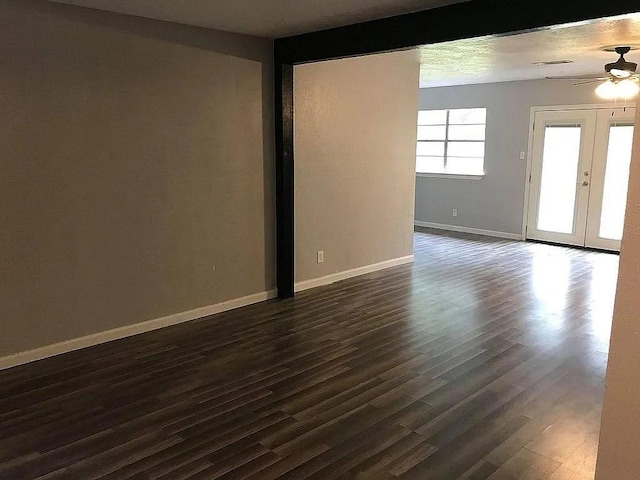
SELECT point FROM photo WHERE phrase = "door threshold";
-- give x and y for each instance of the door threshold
(576, 247)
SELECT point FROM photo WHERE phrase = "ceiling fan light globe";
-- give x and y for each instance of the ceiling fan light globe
(627, 89)
(607, 90)
(620, 73)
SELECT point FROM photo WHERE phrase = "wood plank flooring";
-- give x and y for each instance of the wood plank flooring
(483, 360)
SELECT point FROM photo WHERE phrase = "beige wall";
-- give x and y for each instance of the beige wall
(134, 157)
(355, 127)
(619, 454)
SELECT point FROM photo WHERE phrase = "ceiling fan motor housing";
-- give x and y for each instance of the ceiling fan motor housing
(622, 64)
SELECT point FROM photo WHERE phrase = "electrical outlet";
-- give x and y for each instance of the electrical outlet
(320, 256)
(523, 156)
(455, 212)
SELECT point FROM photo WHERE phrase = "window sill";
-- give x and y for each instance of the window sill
(453, 176)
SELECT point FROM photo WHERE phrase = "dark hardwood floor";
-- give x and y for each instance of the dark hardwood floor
(484, 359)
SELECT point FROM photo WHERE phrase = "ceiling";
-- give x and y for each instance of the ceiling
(482, 60)
(512, 58)
(264, 18)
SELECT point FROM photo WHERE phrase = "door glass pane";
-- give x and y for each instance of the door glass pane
(616, 182)
(560, 159)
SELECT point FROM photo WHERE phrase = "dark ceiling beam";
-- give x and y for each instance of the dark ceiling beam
(474, 18)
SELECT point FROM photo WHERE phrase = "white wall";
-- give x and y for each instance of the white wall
(619, 452)
(496, 202)
(355, 126)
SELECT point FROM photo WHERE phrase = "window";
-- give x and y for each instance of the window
(451, 141)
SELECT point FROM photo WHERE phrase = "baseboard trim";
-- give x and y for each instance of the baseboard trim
(130, 330)
(476, 231)
(356, 272)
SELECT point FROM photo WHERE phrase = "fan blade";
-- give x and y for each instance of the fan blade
(595, 80)
(597, 76)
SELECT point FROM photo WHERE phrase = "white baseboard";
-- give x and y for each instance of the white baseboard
(336, 277)
(477, 231)
(130, 330)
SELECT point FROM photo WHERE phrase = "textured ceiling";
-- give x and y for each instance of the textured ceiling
(264, 18)
(511, 58)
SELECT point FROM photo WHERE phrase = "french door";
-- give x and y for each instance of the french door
(579, 176)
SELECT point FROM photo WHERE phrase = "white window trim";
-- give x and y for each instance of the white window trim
(452, 176)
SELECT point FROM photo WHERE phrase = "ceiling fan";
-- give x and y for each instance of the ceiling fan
(620, 78)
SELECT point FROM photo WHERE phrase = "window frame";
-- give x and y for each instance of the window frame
(447, 140)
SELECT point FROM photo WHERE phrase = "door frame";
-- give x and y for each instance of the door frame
(532, 115)
(587, 119)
